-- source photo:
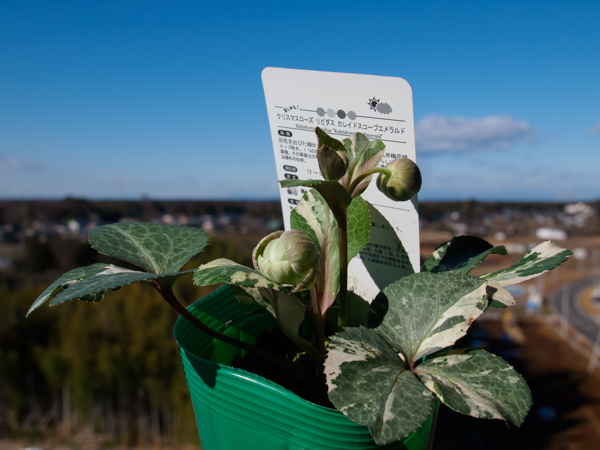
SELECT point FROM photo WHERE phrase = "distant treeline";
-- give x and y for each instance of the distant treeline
(471, 209)
(112, 367)
(20, 211)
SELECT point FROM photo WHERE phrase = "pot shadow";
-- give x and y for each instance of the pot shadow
(207, 373)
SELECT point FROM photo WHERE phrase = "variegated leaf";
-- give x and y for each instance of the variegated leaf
(111, 277)
(363, 155)
(313, 216)
(498, 296)
(370, 384)
(335, 195)
(65, 281)
(477, 383)
(430, 311)
(289, 312)
(153, 247)
(226, 271)
(362, 150)
(542, 258)
(251, 296)
(460, 255)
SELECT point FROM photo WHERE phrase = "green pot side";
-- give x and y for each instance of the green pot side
(236, 409)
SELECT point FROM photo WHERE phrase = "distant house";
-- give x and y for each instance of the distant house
(553, 234)
(577, 214)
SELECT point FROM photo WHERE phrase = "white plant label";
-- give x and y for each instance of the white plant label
(342, 104)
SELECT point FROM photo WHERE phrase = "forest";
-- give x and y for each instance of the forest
(111, 367)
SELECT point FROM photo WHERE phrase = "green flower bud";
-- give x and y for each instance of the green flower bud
(403, 182)
(288, 257)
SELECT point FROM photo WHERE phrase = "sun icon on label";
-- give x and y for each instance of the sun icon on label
(373, 103)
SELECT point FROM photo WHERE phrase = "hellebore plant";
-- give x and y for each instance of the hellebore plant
(387, 370)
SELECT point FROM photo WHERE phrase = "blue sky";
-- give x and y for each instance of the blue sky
(120, 99)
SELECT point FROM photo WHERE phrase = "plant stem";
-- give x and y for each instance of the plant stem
(342, 222)
(432, 429)
(368, 173)
(318, 321)
(168, 295)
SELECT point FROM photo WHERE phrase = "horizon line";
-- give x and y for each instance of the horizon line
(258, 200)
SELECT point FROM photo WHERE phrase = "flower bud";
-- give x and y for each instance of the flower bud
(288, 257)
(333, 164)
(404, 181)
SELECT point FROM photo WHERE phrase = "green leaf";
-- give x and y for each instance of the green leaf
(307, 183)
(93, 298)
(226, 271)
(370, 384)
(112, 277)
(65, 281)
(430, 311)
(359, 224)
(460, 255)
(477, 383)
(542, 258)
(153, 247)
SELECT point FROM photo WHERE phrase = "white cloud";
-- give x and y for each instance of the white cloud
(512, 182)
(12, 163)
(595, 129)
(462, 134)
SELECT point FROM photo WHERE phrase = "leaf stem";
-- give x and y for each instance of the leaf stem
(368, 173)
(167, 294)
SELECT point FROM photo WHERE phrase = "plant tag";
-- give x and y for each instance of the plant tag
(342, 104)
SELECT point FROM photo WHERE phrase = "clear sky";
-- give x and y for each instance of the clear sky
(119, 99)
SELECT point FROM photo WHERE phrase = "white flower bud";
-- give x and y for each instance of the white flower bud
(289, 257)
(404, 181)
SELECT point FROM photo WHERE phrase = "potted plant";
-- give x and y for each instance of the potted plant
(384, 370)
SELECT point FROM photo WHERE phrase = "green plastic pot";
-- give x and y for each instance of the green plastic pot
(236, 409)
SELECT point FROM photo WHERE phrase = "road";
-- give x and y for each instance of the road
(576, 315)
